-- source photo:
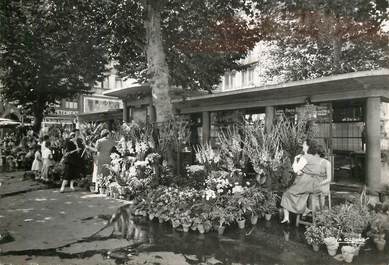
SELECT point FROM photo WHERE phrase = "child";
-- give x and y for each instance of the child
(37, 163)
(47, 157)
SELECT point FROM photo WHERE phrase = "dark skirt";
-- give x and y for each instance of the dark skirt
(71, 169)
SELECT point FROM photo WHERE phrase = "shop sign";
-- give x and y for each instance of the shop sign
(289, 112)
(98, 104)
(323, 113)
(57, 120)
(66, 112)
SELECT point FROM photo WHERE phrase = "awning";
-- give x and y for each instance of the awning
(8, 123)
(357, 85)
(124, 92)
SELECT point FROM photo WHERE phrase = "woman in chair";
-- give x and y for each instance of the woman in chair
(309, 168)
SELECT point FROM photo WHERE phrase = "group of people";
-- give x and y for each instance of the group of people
(45, 156)
(313, 177)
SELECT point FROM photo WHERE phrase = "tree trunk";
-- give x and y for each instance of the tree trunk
(336, 46)
(336, 54)
(37, 110)
(156, 61)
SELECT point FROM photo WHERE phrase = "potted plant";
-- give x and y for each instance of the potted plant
(239, 206)
(269, 205)
(221, 216)
(186, 221)
(355, 240)
(314, 236)
(348, 253)
(380, 223)
(257, 197)
(103, 183)
(332, 245)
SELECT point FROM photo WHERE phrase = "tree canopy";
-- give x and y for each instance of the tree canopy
(50, 50)
(324, 37)
(201, 39)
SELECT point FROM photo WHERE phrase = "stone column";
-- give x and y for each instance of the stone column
(373, 144)
(125, 111)
(206, 127)
(151, 112)
(269, 118)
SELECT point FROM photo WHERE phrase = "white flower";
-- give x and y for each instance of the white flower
(140, 164)
(114, 156)
(237, 189)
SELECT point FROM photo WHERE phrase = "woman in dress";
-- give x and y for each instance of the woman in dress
(309, 168)
(47, 158)
(104, 146)
(70, 160)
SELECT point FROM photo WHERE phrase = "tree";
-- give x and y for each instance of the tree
(180, 43)
(50, 50)
(323, 37)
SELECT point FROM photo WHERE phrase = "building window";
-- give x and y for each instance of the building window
(71, 104)
(226, 81)
(244, 78)
(229, 80)
(118, 82)
(106, 83)
(250, 76)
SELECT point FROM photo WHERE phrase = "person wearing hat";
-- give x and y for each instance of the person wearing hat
(104, 146)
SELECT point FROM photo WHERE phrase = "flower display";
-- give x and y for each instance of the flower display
(141, 147)
(314, 235)
(206, 156)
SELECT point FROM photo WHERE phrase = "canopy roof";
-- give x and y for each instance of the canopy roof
(332, 88)
(131, 90)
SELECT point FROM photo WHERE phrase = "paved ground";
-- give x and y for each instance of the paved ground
(42, 220)
(47, 227)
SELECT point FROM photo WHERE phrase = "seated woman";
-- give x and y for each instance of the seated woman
(310, 168)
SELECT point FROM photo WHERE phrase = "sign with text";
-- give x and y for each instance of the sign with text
(98, 104)
(66, 112)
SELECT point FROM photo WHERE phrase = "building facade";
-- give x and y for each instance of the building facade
(94, 106)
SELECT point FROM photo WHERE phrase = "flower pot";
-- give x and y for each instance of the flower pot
(332, 250)
(380, 244)
(186, 227)
(356, 252)
(207, 227)
(175, 224)
(254, 219)
(268, 216)
(160, 220)
(151, 217)
(348, 253)
(315, 247)
(220, 230)
(201, 229)
(241, 223)
(348, 257)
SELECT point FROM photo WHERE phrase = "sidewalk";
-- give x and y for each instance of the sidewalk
(39, 218)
